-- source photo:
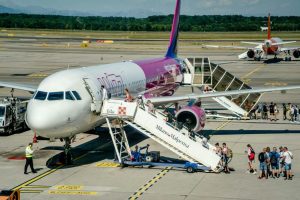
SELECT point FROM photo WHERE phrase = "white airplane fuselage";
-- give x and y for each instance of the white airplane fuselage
(65, 117)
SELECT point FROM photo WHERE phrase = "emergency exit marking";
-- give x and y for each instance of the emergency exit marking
(122, 110)
(69, 187)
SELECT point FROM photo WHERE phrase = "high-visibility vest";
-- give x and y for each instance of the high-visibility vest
(28, 152)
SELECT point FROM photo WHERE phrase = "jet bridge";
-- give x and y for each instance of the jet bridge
(153, 124)
(200, 72)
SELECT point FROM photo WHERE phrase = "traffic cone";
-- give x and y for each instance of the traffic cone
(34, 140)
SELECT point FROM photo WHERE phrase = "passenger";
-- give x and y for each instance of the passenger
(218, 149)
(281, 161)
(128, 97)
(268, 151)
(225, 157)
(284, 108)
(263, 158)
(274, 160)
(276, 111)
(104, 93)
(204, 143)
(260, 110)
(251, 156)
(271, 110)
(29, 161)
(289, 111)
(151, 108)
(265, 111)
(295, 113)
(141, 102)
(292, 113)
(288, 156)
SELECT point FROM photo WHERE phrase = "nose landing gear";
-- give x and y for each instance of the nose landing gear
(67, 155)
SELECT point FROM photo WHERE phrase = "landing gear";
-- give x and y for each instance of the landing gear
(67, 152)
(287, 59)
(258, 58)
(288, 56)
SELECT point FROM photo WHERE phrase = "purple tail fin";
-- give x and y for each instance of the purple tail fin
(172, 50)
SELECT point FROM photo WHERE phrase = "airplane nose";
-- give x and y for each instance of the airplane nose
(46, 119)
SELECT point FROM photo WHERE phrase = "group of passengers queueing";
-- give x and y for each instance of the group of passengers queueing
(271, 163)
(270, 112)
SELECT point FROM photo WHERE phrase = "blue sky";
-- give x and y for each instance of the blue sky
(142, 8)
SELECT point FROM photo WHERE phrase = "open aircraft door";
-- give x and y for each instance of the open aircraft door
(95, 93)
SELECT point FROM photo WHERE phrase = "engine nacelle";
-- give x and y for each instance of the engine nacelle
(193, 117)
(296, 53)
(250, 54)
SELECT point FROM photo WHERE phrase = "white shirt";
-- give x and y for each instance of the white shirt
(288, 157)
(104, 94)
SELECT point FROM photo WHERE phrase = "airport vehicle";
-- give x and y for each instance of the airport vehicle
(70, 101)
(271, 46)
(12, 115)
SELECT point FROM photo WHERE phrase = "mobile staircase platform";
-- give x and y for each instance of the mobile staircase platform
(152, 123)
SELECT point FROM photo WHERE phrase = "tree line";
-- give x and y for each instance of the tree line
(151, 23)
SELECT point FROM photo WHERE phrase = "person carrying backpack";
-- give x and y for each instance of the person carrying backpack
(274, 160)
(263, 158)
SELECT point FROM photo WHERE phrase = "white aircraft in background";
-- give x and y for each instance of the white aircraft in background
(264, 28)
(271, 46)
(61, 104)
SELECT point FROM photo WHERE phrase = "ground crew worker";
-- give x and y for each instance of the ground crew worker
(29, 153)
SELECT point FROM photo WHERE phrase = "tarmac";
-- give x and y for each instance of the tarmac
(94, 175)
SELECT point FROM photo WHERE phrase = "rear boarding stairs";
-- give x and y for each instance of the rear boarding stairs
(153, 124)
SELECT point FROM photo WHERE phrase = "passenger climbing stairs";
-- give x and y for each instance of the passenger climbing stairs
(153, 124)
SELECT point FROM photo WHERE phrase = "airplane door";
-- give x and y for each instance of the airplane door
(95, 94)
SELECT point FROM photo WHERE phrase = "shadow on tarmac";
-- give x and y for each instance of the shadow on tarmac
(92, 151)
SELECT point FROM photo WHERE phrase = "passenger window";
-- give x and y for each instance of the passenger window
(76, 95)
(41, 95)
(53, 96)
(69, 96)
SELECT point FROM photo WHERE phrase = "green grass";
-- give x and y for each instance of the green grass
(151, 35)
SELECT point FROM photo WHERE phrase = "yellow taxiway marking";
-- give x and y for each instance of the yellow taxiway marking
(107, 164)
(38, 75)
(65, 192)
(149, 184)
(31, 191)
(276, 83)
(69, 187)
(36, 186)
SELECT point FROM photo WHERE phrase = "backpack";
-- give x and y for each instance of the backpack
(261, 157)
(273, 159)
(229, 153)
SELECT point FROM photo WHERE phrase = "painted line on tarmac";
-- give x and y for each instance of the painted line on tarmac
(221, 127)
(66, 192)
(253, 71)
(149, 184)
(31, 191)
(107, 164)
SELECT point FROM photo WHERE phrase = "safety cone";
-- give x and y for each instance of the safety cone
(34, 140)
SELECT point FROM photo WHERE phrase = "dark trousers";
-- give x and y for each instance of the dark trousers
(30, 163)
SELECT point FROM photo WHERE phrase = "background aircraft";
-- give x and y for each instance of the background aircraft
(270, 46)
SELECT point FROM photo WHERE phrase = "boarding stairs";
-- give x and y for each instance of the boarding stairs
(153, 124)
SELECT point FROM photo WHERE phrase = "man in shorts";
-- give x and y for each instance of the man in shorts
(263, 158)
(288, 157)
(274, 161)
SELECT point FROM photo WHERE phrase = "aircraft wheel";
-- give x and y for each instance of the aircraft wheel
(290, 59)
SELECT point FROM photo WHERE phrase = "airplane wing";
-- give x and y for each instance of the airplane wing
(289, 48)
(254, 43)
(229, 47)
(26, 87)
(281, 43)
(159, 100)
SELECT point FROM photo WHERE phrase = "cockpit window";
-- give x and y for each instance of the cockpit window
(53, 96)
(2, 111)
(69, 96)
(76, 95)
(40, 95)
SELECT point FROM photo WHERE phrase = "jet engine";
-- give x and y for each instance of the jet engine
(250, 53)
(296, 53)
(193, 117)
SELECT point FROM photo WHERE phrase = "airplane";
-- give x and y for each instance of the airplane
(270, 46)
(264, 28)
(62, 104)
